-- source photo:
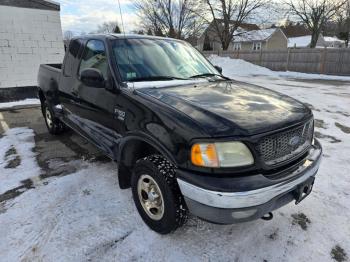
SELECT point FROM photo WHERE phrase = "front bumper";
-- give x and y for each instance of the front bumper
(250, 204)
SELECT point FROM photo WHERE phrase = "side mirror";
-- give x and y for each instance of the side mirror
(92, 77)
(219, 69)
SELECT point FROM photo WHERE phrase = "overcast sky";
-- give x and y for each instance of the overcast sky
(84, 16)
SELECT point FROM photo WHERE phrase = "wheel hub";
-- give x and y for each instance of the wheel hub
(150, 197)
(48, 117)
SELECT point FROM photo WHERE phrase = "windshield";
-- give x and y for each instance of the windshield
(158, 59)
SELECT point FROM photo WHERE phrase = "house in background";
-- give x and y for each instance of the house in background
(334, 42)
(209, 40)
(300, 37)
(292, 30)
(30, 35)
(264, 39)
(305, 41)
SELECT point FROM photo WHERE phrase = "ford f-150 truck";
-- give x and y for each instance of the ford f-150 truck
(185, 137)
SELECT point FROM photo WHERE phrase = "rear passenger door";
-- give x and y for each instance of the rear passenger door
(95, 114)
(68, 81)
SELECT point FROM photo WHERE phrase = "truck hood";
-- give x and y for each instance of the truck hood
(232, 108)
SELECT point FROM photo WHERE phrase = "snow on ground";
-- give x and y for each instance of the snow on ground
(300, 41)
(26, 102)
(85, 216)
(17, 160)
(238, 67)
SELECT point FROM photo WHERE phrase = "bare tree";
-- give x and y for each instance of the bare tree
(173, 18)
(343, 21)
(228, 15)
(109, 27)
(149, 32)
(68, 35)
(315, 13)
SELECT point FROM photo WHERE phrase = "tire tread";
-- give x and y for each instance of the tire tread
(168, 171)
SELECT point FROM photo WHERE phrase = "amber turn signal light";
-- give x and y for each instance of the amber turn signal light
(204, 155)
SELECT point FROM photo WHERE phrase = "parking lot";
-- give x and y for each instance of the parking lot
(60, 200)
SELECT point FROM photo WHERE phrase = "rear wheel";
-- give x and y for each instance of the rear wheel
(157, 195)
(53, 124)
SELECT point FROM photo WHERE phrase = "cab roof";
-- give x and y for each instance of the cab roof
(123, 36)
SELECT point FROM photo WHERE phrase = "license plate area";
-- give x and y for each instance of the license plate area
(303, 190)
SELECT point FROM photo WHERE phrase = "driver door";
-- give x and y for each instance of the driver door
(95, 114)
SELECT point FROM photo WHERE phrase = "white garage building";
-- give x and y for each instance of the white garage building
(30, 35)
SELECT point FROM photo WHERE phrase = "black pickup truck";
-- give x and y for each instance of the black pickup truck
(185, 137)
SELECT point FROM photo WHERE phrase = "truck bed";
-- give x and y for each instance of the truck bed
(48, 79)
(52, 67)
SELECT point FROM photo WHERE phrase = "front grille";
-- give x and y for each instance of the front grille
(286, 145)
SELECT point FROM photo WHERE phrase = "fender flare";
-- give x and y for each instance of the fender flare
(124, 172)
(143, 137)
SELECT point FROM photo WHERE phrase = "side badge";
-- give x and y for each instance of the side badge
(120, 114)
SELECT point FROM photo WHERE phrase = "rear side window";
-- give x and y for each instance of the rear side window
(73, 51)
(74, 48)
(94, 56)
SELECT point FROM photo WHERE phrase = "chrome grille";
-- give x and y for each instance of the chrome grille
(286, 145)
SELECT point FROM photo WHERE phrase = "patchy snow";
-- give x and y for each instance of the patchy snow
(333, 39)
(17, 159)
(237, 67)
(26, 102)
(300, 41)
(84, 216)
(255, 35)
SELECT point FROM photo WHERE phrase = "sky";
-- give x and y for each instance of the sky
(85, 16)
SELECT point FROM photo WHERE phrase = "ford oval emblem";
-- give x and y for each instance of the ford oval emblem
(294, 141)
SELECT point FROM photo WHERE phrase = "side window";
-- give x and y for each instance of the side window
(256, 46)
(72, 53)
(94, 56)
(237, 46)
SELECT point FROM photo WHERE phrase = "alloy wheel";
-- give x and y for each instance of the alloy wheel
(150, 197)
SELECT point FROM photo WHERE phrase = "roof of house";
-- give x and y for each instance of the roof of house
(255, 35)
(301, 41)
(245, 26)
(34, 4)
(295, 30)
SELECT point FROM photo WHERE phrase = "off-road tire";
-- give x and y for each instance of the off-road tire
(164, 174)
(55, 127)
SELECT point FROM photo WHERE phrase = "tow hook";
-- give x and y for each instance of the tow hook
(267, 217)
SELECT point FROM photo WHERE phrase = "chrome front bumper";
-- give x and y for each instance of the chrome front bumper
(257, 197)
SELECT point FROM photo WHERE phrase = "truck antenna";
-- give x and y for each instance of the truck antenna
(121, 17)
(127, 51)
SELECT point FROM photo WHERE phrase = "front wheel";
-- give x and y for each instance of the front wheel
(157, 195)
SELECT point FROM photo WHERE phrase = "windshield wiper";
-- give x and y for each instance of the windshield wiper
(155, 78)
(209, 75)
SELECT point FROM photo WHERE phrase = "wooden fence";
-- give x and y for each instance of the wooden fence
(320, 61)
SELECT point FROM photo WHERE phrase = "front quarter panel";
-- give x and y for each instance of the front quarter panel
(149, 120)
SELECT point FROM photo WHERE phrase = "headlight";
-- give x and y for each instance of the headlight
(226, 154)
